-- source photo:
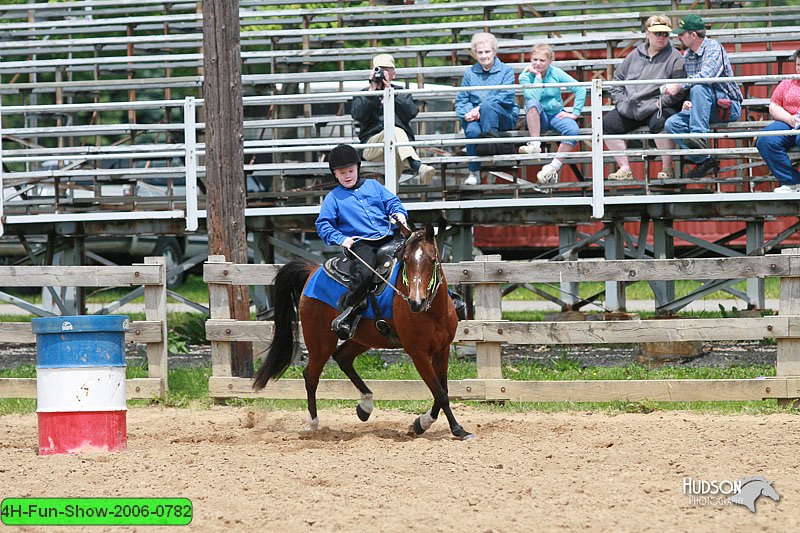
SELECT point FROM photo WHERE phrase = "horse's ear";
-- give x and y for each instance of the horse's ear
(406, 231)
(429, 234)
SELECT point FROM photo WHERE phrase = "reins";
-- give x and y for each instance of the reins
(433, 285)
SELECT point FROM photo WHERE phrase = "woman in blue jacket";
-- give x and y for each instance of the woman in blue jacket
(485, 111)
(544, 108)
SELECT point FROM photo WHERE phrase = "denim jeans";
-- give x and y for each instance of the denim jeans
(700, 116)
(494, 117)
(774, 151)
(566, 127)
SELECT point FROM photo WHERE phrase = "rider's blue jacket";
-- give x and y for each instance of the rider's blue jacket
(362, 211)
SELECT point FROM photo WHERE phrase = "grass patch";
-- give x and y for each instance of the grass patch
(641, 290)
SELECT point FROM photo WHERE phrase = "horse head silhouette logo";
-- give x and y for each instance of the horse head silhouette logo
(753, 488)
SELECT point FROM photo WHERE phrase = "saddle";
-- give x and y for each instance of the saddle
(338, 268)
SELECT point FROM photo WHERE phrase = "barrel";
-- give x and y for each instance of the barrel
(80, 383)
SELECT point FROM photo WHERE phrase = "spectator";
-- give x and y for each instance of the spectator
(784, 107)
(707, 103)
(368, 112)
(485, 111)
(544, 108)
(645, 105)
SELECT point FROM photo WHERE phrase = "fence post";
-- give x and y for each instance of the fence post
(219, 308)
(155, 308)
(487, 298)
(788, 362)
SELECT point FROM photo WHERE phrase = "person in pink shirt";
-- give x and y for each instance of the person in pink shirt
(784, 107)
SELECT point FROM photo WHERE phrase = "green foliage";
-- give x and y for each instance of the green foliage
(564, 363)
(641, 290)
(188, 328)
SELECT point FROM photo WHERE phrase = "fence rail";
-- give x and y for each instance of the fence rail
(152, 331)
(488, 331)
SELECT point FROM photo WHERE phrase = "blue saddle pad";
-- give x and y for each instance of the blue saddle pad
(325, 289)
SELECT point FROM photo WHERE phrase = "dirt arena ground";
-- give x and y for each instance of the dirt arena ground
(250, 469)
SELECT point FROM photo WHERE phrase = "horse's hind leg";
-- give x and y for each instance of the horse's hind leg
(344, 355)
(319, 351)
(311, 375)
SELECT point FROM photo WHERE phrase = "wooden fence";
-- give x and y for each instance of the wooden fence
(488, 331)
(152, 331)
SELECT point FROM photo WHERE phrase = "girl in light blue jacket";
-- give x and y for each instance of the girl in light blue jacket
(544, 108)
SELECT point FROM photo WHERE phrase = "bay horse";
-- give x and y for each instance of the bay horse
(424, 320)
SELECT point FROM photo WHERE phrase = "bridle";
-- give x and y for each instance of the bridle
(433, 284)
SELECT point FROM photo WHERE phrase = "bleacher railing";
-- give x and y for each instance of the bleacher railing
(67, 164)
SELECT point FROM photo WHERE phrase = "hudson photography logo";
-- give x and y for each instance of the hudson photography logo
(723, 493)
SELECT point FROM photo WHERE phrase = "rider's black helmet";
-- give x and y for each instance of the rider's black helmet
(342, 156)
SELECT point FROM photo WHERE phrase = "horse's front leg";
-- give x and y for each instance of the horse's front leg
(440, 400)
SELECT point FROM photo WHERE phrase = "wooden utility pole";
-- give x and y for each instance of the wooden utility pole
(225, 179)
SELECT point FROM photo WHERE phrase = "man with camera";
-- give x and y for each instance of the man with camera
(368, 112)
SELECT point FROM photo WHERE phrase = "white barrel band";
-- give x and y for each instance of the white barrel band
(65, 390)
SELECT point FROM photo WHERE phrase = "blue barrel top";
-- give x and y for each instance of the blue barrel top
(80, 341)
(61, 324)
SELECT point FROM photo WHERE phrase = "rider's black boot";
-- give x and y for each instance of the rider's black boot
(345, 324)
(461, 307)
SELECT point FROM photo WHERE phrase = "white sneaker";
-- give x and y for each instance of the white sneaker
(548, 174)
(426, 174)
(788, 188)
(530, 148)
(473, 178)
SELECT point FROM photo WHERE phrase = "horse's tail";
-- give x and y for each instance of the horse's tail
(289, 283)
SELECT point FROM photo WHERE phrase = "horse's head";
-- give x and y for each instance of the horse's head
(422, 273)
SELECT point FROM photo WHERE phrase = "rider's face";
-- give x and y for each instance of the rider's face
(347, 176)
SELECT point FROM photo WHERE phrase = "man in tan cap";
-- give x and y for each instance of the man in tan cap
(645, 105)
(368, 112)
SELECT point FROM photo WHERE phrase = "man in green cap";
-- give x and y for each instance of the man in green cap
(708, 102)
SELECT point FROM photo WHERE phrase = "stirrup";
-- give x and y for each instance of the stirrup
(345, 324)
(383, 327)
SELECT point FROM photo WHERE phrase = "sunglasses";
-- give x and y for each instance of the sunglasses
(661, 33)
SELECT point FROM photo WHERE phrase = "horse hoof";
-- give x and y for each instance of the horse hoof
(418, 429)
(468, 436)
(362, 414)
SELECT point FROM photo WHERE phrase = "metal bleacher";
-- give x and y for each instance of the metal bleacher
(102, 100)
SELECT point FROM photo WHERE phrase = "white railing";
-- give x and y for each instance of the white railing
(190, 150)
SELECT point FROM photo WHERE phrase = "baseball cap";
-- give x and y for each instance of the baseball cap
(690, 23)
(383, 61)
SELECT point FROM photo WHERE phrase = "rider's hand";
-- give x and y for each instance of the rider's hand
(400, 218)
(348, 242)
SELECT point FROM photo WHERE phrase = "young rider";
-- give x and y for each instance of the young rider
(357, 215)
